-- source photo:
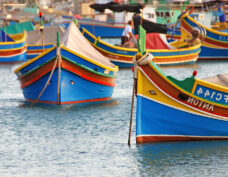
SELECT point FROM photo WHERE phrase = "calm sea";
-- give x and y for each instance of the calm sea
(92, 141)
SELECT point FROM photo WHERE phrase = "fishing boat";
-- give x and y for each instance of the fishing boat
(12, 47)
(169, 109)
(104, 29)
(110, 29)
(214, 43)
(71, 72)
(40, 40)
(164, 53)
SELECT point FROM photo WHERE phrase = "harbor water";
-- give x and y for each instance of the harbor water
(92, 140)
(69, 140)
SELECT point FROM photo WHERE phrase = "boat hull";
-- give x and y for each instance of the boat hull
(166, 112)
(159, 122)
(209, 53)
(69, 79)
(11, 52)
(214, 43)
(73, 90)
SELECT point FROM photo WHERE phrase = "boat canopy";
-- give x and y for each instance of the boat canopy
(49, 35)
(156, 41)
(18, 28)
(116, 7)
(149, 26)
(220, 79)
(75, 41)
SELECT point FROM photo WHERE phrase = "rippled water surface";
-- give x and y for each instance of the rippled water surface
(92, 141)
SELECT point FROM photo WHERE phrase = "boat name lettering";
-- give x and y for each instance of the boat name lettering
(210, 94)
(223, 38)
(200, 104)
(120, 51)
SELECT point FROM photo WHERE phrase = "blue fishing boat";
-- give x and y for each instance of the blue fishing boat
(214, 43)
(164, 53)
(70, 73)
(12, 47)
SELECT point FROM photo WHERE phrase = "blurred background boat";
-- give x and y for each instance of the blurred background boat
(214, 43)
(12, 47)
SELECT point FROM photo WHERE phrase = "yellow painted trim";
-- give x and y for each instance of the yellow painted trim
(23, 37)
(119, 48)
(174, 50)
(134, 49)
(129, 56)
(174, 85)
(174, 56)
(40, 44)
(212, 85)
(194, 87)
(88, 33)
(112, 46)
(91, 61)
(34, 59)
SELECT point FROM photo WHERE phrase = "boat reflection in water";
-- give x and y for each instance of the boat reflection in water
(183, 158)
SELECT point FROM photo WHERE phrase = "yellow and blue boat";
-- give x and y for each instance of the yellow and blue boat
(70, 72)
(214, 43)
(12, 48)
(178, 110)
(122, 56)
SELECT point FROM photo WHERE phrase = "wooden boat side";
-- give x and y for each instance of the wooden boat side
(182, 96)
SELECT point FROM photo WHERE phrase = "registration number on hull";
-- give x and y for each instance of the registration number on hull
(211, 94)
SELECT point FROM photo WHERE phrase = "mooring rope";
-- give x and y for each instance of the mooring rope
(52, 71)
(59, 74)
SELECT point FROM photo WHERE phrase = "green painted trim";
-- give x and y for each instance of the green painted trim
(36, 67)
(58, 39)
(158, 68)
(186, 84)
(142, 40)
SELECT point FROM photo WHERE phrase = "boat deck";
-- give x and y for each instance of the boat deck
(220, 79)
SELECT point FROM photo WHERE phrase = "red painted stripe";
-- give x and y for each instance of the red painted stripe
(88, 75)
(36, 51)
(34, 79)
(157, 139)
(71, 102)
(26, 80)
(12, 52)
(89, 78)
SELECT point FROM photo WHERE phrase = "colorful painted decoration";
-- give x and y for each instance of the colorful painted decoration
(68, 73)
(214, 43)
